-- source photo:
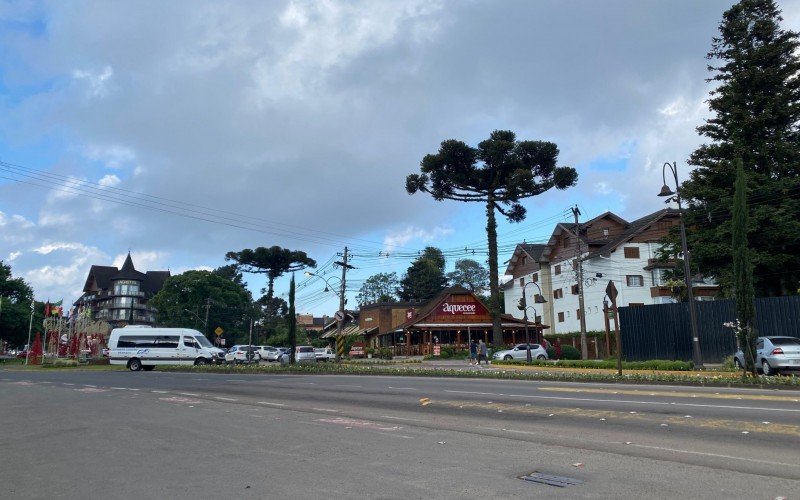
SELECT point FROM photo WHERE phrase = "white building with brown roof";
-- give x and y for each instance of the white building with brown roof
(611, 249)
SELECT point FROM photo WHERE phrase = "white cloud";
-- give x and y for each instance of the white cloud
(143, 261)
(603, 188)
(400, 238)
(12, 256)
(112, 156)
(52, 247)
(96, 82)
(109, 181)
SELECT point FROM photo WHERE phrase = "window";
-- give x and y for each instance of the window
(631, 252)
(189, 342)
(524, 259)
(558, 269)
(565, 242)
(574, 289)
(535, 277)
(522, 282)
(126, 287)
(148, 342)
(634, 280)
(558, 294)
(561, 317)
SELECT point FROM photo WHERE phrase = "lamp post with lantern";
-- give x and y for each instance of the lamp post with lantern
(523, 305)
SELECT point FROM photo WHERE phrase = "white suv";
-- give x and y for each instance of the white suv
(242, 354)
(304, 354)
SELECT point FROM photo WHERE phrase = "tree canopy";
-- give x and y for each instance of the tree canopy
(469, 274)
(756, 111)
(182, 303)
(15, 316)
(381, 287)
(274, 262)
(500, 173)
(425, 276)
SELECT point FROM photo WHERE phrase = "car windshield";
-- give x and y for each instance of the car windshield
(785, 341)
(305, 349)
(203, 341)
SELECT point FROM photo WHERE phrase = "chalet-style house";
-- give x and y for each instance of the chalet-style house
(611, 249)
(119, 296)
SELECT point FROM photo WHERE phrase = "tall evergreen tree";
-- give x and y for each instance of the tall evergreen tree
(756, 111)
(425, 277)
(743, 272)
(292, 322)
(500, 173)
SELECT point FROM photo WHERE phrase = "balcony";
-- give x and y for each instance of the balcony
(660, 264)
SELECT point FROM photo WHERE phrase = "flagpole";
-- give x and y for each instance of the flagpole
(30, 327)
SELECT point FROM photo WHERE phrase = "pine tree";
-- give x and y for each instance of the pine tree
(756, 107)
(292, 322)
(425, 277)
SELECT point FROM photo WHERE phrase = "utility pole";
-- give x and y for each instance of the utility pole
(208, 308)
(579, 268)
(340, 314)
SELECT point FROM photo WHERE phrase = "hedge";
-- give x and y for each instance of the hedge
(654, 364)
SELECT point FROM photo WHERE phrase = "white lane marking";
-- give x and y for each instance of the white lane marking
(325, 409)
(658, 403)
(268, 403)
(134, 389)
(344, 385)
(66, 383)
(717, 455)
(225, 399)
(308, 383)
(404, 388)
(403, 418)
(160, 392)
(87, 385)
(189, 394)
(120, 388)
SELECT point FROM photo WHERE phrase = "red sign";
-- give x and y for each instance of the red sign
(357, 350)
(471, 308)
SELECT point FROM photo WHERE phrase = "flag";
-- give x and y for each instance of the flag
(56, 309)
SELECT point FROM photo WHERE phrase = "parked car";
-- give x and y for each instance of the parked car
(774, 355)
(263, 350)
(325, 354)
(304, 354)
(272, 354)
(520, 352)
(242, 354)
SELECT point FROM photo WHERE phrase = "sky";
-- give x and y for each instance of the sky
(182, 130)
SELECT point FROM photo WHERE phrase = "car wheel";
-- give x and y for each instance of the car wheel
(737, 363)
(134, 365)
(148, 368)
(200, 362)
(507, 357)
(541, 357)
(768, 369)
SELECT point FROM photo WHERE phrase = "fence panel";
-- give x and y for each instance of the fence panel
(663, 331)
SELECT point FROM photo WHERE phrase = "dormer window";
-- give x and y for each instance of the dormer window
(524, 260)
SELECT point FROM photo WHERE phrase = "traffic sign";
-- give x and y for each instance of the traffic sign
(218, 331)
(339, 316)
(611, 291)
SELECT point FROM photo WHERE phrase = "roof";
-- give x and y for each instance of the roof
(104, 277)
(635, 227)
(534, 251)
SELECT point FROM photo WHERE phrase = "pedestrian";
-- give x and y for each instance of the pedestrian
(483, 352)
(473, 352)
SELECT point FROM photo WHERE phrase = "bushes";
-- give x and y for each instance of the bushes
(655, 364)
(384, 353)
(569, 352)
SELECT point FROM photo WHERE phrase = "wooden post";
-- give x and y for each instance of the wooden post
(618, 338)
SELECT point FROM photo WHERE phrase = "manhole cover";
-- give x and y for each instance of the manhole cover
(560, 481)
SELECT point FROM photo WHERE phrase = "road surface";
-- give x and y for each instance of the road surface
(73, 434)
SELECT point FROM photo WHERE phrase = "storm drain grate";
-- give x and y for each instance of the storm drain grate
(560, 481)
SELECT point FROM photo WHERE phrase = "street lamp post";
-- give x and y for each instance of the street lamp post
(340, 313)
(523, 304)
(697, 357)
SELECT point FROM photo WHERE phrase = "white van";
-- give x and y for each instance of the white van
(138, 347)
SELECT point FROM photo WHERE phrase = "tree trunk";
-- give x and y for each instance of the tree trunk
(494, 285)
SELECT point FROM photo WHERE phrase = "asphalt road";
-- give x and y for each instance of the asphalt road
(70, 434)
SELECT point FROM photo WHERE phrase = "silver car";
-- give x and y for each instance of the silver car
(774, 354)
(520, 352)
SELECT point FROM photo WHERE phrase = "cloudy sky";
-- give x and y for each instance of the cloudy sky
(182, 130)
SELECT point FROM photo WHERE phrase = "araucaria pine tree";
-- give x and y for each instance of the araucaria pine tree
(756, 111)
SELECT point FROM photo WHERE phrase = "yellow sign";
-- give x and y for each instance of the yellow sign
(218, 331)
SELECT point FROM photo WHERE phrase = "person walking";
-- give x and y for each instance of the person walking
(473, 352)
(483, 352)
